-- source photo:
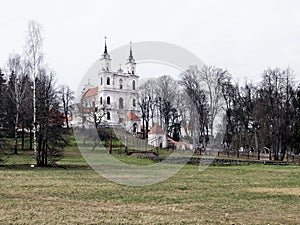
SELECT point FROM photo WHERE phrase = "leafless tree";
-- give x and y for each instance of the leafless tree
(147, 103)
(49, 119)
(96, 115)
(277, 92)
(184, 108)
(66, 98)
(199, 107)
(211, 77)
(166, 88)
(34, 58)
(17, 90)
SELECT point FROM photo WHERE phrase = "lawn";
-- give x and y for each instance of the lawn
(75, 194)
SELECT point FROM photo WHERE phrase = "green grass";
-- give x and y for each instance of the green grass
(252, 194)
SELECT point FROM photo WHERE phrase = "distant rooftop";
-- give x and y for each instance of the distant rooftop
(156, 129)
(90, 92)
(132, 116)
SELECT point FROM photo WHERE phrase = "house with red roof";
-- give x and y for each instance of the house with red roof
(156, 136)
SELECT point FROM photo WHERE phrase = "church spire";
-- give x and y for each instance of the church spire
(130, 62)
(105, 58)
(130, 54)
(105, 47)
(130, 58)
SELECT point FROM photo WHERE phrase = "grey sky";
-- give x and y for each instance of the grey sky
(243, 36)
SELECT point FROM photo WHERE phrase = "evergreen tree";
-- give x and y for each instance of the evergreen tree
(2, 98)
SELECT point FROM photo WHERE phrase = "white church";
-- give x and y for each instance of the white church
(117, 92)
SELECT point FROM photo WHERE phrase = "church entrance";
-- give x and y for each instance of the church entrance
(134, 128)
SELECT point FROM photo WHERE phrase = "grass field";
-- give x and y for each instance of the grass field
(252, 194)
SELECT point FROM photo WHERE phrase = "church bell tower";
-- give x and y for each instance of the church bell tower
(105, 59)
(130, 65)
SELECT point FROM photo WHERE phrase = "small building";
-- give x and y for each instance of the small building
(132, 122)
(156, 136)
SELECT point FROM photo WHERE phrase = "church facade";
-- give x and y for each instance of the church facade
(116, 92)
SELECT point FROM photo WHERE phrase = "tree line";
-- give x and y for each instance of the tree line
(31, 102)
(257, 117)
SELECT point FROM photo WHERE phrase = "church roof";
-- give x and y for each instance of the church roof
(90, 92)
(156, 129)
(132, 116)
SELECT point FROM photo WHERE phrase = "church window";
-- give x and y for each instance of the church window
(101, 100)
(121, 83)
(121, 106)
(133, 102)
(133, 85)
(108, 81)
(108, 115)
(101, 81)
(108, 100)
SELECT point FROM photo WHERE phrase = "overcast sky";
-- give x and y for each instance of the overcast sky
(243, 36)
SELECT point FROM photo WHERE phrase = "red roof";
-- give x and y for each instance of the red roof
(132, 116)
(156, 129)
(91, 92)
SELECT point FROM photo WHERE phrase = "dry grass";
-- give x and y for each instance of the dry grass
(275, 191)
(254, 194)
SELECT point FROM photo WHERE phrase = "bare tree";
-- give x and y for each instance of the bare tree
(211, 77)
(66, 98)
(34, 58)
(166, 91)
(49, 119)
(277, 91)
(199, 107)
(97, 115)
(184, 108)
(16, 92)
(147, 103)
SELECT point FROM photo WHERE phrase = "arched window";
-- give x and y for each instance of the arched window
(101, 100)
(121, 83)
(108, 115)
(121, 106)
(108, 100)
(101, 81)
(133, 102)
(133, 85)
(108, 81)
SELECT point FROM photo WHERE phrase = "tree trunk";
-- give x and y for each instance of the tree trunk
(16, 141)
(66, 118)
(144, 132)
(147, 127)
(255, 139)
(23, 136)
(30, 138)
(211, 136)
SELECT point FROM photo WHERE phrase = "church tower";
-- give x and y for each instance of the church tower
(105, 59)
(130, 65)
